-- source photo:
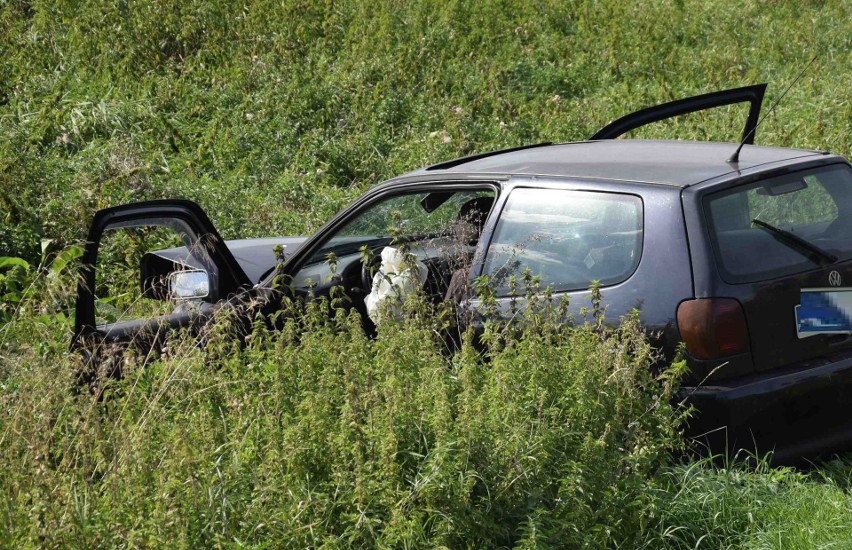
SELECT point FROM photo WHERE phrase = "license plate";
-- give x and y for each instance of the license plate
(824, 311)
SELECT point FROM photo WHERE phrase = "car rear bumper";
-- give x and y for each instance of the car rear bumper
(795, 415)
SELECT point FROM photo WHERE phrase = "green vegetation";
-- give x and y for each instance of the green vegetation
(317, 435)
(273, 115)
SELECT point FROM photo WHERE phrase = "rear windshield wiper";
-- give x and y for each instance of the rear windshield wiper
(811, 251)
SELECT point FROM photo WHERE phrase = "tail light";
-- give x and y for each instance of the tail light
(712, 327)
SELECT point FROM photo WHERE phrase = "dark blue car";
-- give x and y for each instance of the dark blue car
(715, 249)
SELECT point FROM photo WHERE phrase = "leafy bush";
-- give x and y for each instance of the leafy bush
(317, 435)
(20, 282)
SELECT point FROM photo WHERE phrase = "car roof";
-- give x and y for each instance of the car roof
(675, 163)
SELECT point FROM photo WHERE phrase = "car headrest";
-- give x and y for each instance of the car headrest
(476, 210)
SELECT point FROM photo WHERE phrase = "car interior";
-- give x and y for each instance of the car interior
(441, 229)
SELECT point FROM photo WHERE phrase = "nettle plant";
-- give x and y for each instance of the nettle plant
(527, 428)
(446, 425)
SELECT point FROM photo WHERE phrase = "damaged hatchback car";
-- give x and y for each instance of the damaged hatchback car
(742, 254)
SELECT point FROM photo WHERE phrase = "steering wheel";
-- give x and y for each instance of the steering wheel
(369, 268)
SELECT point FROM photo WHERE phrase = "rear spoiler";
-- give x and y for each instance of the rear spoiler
(750, 94)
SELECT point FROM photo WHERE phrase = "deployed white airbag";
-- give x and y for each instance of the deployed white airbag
(396, 279)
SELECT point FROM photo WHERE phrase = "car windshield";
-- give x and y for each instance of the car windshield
(782, 225)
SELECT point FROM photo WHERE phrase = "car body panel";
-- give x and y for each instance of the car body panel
(663, 162)
(768, 304)
(639, 291)
(794, 414)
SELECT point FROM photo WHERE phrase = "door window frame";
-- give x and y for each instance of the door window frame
(228, 279)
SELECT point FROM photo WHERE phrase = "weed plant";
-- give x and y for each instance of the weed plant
(531, 433)
(318, 435)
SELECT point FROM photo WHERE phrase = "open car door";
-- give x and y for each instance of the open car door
(150, 267)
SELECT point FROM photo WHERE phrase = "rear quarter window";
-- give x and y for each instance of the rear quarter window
(815, 205)
(566, 238)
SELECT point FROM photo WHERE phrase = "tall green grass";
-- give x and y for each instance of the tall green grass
(705, 506)
(273, 115)
(316, 435)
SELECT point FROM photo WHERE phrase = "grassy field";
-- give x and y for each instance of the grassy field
(273, 115)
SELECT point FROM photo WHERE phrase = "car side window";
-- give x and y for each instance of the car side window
(566, 238)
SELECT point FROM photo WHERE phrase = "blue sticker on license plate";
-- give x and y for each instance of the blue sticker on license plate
(824, 311)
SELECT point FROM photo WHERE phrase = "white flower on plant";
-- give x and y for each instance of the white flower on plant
(443, 135)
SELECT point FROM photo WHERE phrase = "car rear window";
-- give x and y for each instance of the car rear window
(566, 238)
(814, 205)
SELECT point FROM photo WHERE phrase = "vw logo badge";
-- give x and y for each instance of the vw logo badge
(834, 278)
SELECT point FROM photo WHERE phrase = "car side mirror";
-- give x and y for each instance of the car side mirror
(189, 285)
